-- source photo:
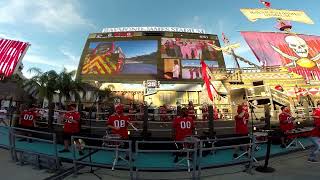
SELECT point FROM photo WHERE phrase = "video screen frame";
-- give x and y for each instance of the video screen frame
(138, 78)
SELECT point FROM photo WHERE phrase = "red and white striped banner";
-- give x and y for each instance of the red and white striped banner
(10, 54)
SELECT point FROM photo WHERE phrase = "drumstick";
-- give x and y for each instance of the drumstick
(133, 126)
(176, 145)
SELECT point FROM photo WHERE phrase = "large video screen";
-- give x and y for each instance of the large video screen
(182, 57)
(141, 56)
(116, 58)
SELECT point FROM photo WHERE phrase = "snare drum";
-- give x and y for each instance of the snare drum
(190, 141)
(261, 136)
(109, 140)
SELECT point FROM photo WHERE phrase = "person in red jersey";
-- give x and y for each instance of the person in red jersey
(286, 124)
(118, 122)
(241, 120)
(28, 118)
(183, 126)
(191, 111)
(28, 121)
(215, 113)
(71, 128)
(241, 125)
(315, 134)
(132, 111)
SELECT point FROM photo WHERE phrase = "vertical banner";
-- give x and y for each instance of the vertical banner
(11, 53)
(299, 53)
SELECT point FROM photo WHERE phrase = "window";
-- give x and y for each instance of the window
(194, 97)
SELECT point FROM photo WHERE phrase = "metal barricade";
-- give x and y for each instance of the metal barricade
(51, 140)
(214, 148)
(191, 148)
(99, 153)
(5, 133)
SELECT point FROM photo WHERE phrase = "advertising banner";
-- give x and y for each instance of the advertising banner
(289, 15)
(10, 54)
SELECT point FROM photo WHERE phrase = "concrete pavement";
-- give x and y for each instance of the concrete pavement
(293, 166)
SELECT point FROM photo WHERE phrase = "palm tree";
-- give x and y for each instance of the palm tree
(45, 83)
(67, 86)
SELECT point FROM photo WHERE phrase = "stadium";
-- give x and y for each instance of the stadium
(154, 76)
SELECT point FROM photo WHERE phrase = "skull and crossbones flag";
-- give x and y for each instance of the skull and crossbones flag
(299, 53)
(266, 3)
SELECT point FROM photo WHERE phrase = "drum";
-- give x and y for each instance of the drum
(109, 140)
(299, 132)
(260, 136)
(190, 141)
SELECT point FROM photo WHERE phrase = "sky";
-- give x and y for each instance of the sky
(57, 30)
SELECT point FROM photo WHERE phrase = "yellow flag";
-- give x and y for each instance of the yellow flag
(289, 15)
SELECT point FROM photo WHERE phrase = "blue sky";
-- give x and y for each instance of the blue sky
(57, 30)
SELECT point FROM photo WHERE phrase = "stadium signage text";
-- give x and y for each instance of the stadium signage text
(158, 29)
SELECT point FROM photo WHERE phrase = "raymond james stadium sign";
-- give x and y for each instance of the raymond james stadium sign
(158, 29)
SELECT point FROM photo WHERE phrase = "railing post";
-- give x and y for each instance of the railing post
(54, 138)
(75, 170)
(210, 122)
(145, 133)
(130, 160)
(252, 150)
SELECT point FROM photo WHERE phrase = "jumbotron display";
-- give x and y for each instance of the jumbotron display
(136, 56)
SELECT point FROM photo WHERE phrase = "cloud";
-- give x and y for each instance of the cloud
(54, 16)
(69, 55)
(37, 59)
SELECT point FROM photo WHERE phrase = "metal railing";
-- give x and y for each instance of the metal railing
(213, 149)
(16, 134)
(193, 148)
(126, 148)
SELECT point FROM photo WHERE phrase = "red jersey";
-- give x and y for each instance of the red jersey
(163, 114)
(316, 129)
(286, 123)
(28, 118)
(121, 122)
(69, 126)
(215, 114)
(242, 124)
(183, 127)
(191, 112)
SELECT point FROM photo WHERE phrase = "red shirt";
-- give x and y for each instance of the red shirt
(316, 130)
(286, 124)
(215, 114)
(69, 126)
(191, 112)
(205, 113)
(242, 124)
(121, 122)
(27, 118)
(183, 127)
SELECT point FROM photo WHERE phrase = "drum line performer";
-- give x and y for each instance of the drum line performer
(118, 123)
(182, 127)
(315, 135)
(286, 124)
(71, 127)
(241, 125)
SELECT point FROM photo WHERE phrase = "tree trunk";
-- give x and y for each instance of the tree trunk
(50, 114)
